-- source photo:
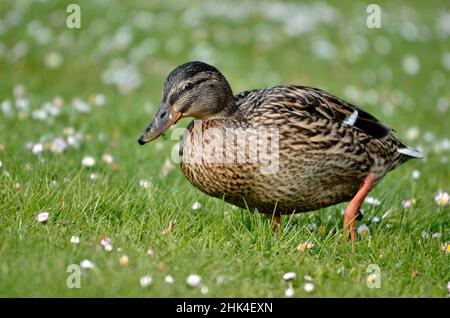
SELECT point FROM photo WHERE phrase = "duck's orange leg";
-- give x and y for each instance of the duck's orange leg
(276, 222)
(353, 207)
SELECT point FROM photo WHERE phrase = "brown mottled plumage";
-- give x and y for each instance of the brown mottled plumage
(327, 147)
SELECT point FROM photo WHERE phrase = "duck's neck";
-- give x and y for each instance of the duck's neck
(227, 104)
(226, 112)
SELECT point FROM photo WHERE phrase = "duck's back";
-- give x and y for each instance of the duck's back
(294, 148)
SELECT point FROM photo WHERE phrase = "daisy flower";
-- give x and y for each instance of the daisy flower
(42, 217)
(88, 161)
(105, 241)
(442, 198)
(146, 280)
(407, 203)
(87, 264)
(363, 230)
(145, 184)
(169, 279)
(75, 240)
(415, 174)
(308, 287)
(308, 278)
(289, 276)
(194, 280)
(411, 65)
(446, 248)
(99, 100)
(37, 148)
(304, 246)
(289, 292)
(58, 145)
(372, 201)
(204, 290)
(196, 206)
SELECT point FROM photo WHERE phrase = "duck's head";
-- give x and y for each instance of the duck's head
(194, 89)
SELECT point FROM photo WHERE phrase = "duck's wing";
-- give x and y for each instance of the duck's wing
(325, 104)
(314, 103)
(242, 96)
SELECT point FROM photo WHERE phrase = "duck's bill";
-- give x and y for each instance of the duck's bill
(163, 120)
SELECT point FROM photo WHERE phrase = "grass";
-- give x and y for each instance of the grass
(233, 250)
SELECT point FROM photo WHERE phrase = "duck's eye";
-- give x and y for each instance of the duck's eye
(188, 86)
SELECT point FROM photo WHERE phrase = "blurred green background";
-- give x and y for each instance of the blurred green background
(70, 93)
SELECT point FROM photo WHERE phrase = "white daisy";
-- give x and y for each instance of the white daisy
(308, 287)
(363, 230)
(372, 201)
(193, 280)
(99, 100)
(411, 65)
(169, 279)
(415, 174)
(407, 203)
(289, 292)
(105, 241)
(204, 290)
(88, 161)
(87, 264)
(196, 206)
(37, 148)
(308, 278)
(304, 246)
(42, 217)
(146, 280)
(442, 198)
(58, 145)
(289, 276)
(145, 184)
(75, 240)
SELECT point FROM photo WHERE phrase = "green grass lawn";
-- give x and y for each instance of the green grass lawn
(73, 93)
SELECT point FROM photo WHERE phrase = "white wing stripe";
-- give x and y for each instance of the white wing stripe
(351, 120)
(410, 152)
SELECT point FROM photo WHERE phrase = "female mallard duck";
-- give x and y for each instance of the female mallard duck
(323, 150)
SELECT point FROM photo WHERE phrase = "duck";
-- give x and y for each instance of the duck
(278, 150)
